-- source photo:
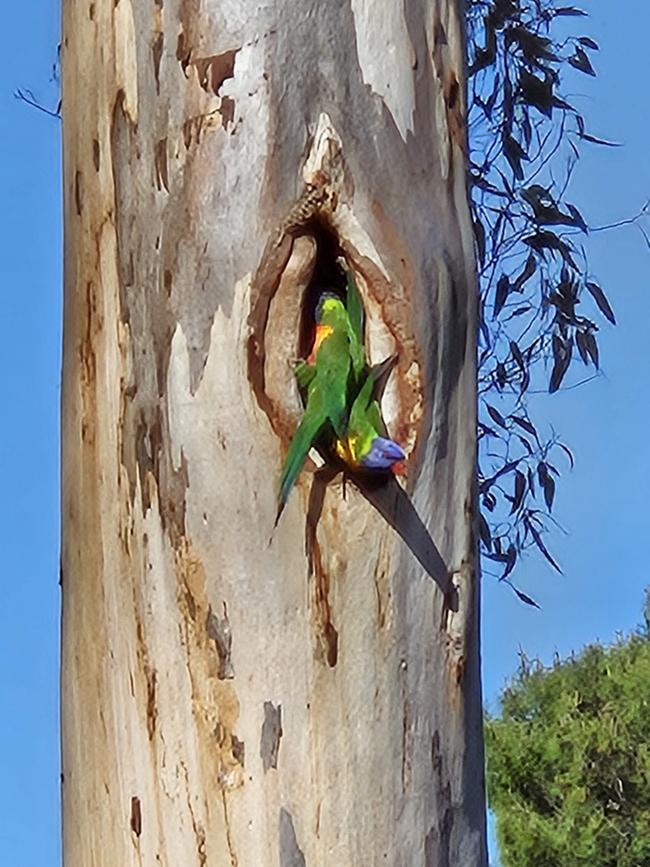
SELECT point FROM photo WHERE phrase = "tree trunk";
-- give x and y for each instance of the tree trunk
(234, 695)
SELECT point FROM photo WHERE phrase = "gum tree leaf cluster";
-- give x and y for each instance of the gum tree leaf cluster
(541, 309)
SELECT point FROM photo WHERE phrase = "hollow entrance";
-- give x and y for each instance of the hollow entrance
(328, 276)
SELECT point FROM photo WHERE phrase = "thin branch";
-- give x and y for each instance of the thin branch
(24, 95)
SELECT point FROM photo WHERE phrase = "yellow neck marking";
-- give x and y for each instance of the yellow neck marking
(347, 450)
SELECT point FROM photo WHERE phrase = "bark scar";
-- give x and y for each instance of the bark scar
(218, 629)
(271, 735)
(136, 816)
(291, 854)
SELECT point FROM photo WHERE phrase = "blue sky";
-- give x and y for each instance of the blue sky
(602, 503)
(30, 233)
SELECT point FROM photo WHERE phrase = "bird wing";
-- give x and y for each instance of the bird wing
(304, 374)
(380, 374)
(332, 374)
(359, 409)
(354, 326)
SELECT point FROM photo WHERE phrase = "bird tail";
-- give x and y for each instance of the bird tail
(302, 441)
(380, 374)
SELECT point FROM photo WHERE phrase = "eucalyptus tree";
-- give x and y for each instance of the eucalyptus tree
(233, 695)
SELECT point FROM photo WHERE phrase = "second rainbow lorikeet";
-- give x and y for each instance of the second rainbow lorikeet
(364, 446)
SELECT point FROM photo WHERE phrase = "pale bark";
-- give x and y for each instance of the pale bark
(223, 703)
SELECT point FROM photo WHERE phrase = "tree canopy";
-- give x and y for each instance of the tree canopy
(569, 760)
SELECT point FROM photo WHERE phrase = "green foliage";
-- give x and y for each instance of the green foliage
(569, 761)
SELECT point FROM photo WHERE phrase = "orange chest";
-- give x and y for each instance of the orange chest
(322, 332)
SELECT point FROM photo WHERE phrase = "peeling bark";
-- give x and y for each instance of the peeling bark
(226, 699)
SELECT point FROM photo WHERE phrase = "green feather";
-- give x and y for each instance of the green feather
(304, 373)
(365, 418)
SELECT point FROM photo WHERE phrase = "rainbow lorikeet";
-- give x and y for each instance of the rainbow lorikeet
(335, 359)
(341, 392)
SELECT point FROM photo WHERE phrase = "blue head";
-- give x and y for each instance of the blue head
(383, 454)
